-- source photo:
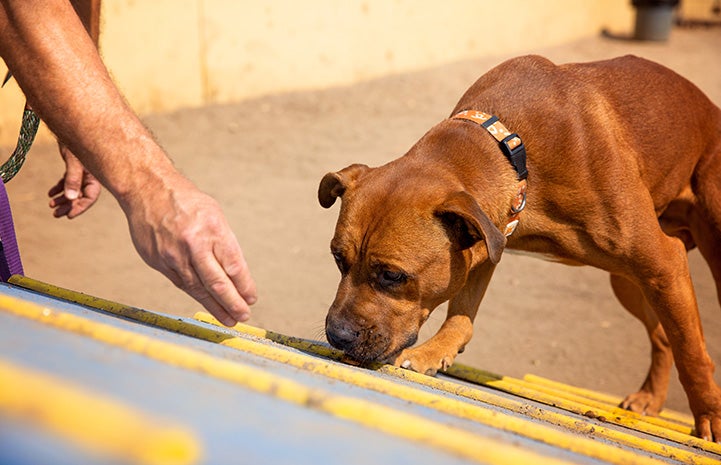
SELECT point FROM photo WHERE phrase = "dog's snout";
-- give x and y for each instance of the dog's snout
(341, 337)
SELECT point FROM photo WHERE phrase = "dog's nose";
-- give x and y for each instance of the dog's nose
(340, 337)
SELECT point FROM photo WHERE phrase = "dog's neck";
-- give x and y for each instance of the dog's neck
(512, 147)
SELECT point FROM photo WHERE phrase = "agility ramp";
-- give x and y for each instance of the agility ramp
(85, 381)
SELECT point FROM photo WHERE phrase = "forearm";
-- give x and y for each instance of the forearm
(176, 229)
(57, 66)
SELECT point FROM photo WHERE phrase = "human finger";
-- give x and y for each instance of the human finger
(89, 195)
(217, 310)
(219, 287)
(79, 206)
(230, 257)
(60, 205)
(57, 188)
(62, 208)
(186, 278)
(58, 200)
(74, 175)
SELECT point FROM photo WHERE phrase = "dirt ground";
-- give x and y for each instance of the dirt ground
(263, 159)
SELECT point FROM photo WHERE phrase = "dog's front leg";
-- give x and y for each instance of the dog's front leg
(439, 351)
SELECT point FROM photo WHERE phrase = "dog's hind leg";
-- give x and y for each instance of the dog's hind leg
(650, 398)
(705, 217)
(659, 267)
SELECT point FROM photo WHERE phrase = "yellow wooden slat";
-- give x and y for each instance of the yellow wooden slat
(99, 425)
(621, 417)
(170, 323)
(585, 405)
(552, 417)
(385, 419)
(608, 399)
(484, 415)
(604, 452)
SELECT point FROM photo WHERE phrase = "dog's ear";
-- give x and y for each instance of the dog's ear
(468, 224)
(333, 185)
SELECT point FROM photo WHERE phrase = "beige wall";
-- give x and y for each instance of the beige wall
(166, 54)
(698, 10)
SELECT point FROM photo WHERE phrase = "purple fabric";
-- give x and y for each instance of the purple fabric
(10, 263)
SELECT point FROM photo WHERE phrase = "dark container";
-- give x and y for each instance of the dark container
(654, 19)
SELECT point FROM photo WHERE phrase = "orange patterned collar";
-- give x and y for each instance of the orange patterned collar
(512, 147)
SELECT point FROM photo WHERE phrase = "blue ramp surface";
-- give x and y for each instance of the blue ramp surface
(84, 381)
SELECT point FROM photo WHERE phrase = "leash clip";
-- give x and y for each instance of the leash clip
(520, 202)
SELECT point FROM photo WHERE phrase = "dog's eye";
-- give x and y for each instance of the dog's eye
(388, 278)
(339, 261)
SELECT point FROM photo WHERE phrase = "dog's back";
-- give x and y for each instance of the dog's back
(634, 116)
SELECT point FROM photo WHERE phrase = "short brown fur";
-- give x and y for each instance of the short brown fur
(624, 159)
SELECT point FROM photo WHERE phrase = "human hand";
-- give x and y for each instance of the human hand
(182, 232)
(76, 191)
(176, 229)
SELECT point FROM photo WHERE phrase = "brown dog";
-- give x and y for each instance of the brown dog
(624, 174)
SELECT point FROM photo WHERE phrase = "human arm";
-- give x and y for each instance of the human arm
(77, 190)
(175, 228)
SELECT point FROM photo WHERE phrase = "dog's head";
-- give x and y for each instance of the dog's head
(404, 243)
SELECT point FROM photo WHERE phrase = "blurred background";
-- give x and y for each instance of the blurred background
(255, 101)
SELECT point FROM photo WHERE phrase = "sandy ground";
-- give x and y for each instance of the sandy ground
(262, 159)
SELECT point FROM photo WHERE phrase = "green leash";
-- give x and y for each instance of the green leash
(28, 129)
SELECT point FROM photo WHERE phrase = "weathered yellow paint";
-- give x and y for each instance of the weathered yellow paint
(368, 380)
(614, 455)
(557, 419)
(600, 408)
(170, 323)
(608, 453)
(569, 422)
(608, 399)
(619, 416)
(385, 419)
(94, 423)
(289, 341)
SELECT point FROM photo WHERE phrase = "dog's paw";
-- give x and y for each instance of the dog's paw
(424, 361)
(643, 402)
(707, 414)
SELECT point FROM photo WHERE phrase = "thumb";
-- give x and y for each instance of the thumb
(73, 181)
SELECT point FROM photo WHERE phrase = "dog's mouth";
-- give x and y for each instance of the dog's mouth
(378, 349)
